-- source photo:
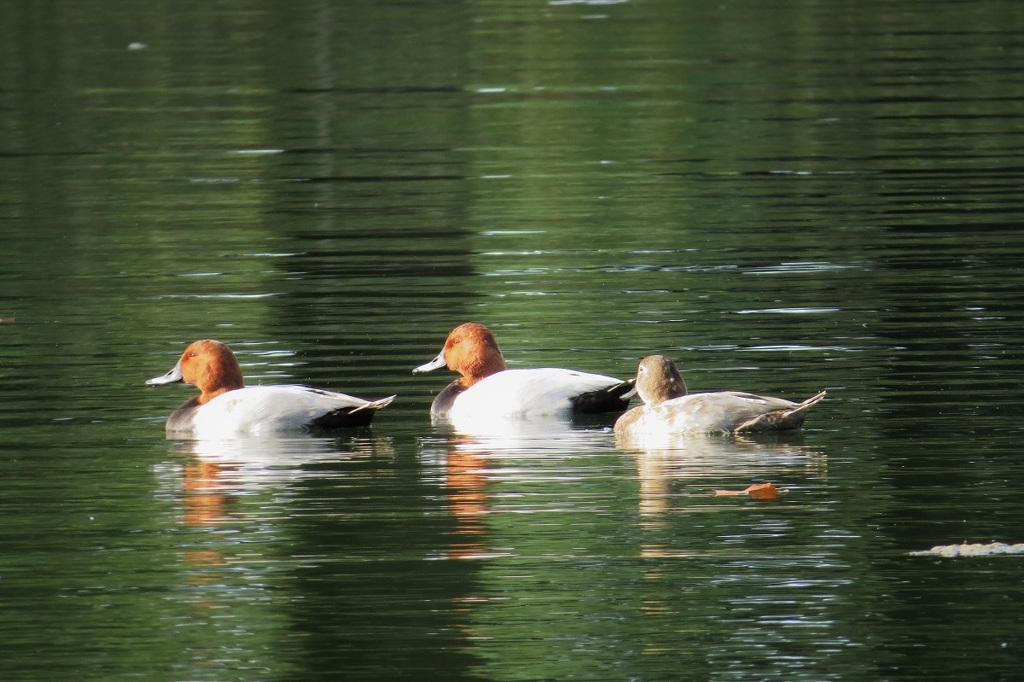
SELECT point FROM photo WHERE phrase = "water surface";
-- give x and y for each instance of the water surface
(784, 197)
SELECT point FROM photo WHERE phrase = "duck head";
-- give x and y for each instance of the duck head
(208, 365)
(658, 380)
(472, 351)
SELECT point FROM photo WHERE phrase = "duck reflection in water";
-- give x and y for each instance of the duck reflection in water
(672, 477)
(472, 464)
(220, 475)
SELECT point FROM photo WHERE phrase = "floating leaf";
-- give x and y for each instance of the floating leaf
(761, 491)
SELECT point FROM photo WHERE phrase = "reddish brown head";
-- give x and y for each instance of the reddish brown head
(470, 350)
(208, 365)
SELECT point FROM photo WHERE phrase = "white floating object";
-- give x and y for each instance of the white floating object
(972, 549)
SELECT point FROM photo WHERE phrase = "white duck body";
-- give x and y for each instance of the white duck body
(524, 393)
(265, 410)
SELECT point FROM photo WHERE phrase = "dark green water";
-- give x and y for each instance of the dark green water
(783, 196)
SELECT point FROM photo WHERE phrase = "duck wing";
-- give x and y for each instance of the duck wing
(787, 417)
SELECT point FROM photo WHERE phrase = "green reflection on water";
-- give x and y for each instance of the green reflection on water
(783, 198)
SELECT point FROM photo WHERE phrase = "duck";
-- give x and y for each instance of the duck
(226, 408)
(669, 410)
(488, 390)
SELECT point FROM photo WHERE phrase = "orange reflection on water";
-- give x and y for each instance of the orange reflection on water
(466, 480)
(204, 494)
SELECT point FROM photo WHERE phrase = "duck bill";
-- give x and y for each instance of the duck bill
(171, 377)
(436, 363)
